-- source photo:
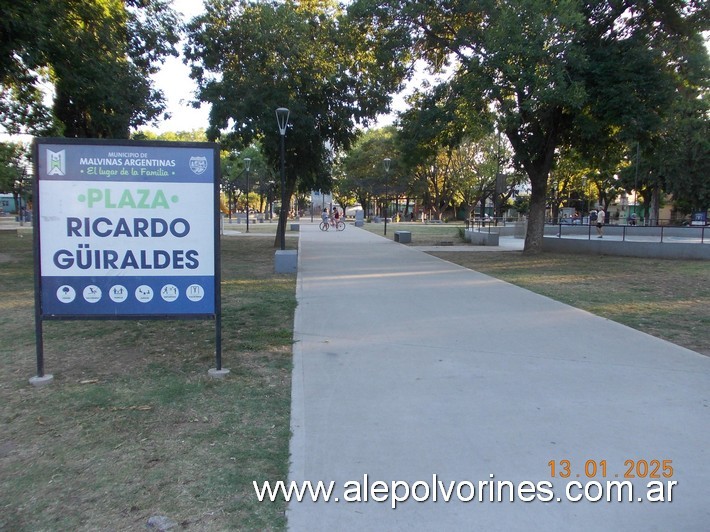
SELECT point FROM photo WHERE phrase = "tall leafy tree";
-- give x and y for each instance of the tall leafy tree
(21, 98)
(251, 57)
(442, 141)
(555, 72)
(97, 55)
(363, 173)
(14, 171)
(475, 167)
(687, 161)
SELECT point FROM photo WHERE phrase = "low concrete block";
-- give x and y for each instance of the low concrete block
(295, 227)
(403, 237)
(286, 261)
(482, 239)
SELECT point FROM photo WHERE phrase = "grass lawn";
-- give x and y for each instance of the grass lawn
(429, 234)
(669, 299)
(132, 426)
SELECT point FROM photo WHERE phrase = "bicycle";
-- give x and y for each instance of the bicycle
(337, 223)
(324, 225)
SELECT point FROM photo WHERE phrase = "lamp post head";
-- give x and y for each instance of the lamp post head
(387, 163)
(282, 115)
(247, 163)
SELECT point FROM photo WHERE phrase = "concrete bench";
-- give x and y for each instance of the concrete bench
(403, 237)
(482, 239)
(445, 243)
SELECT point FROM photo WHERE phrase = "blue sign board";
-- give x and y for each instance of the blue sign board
(699, 218)
(127, 229)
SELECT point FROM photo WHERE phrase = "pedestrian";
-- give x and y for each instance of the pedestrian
(600, 222)
(324, 215)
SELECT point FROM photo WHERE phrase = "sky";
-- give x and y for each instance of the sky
(174, 80)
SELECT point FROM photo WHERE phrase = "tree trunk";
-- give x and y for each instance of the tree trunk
(283, 213)
(655, 205)
(537, 163)
(536, 217)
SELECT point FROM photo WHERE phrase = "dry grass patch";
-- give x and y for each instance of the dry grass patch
(132, 426)
(669, 299)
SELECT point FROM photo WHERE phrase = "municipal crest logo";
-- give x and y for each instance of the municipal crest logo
(56, 162)
(198, 165)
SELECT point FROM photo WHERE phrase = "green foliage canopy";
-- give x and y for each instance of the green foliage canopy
(568, 71)
(250, 58)
(97, 56)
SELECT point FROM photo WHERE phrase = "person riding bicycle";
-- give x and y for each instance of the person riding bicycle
(324, 215)
(336, 216)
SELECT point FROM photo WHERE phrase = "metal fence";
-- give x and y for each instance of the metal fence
(633, 232)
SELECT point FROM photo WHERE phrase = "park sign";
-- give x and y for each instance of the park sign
(126, 229)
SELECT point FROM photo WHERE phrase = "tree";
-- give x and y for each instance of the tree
(363, 170)
(249, 58)
(344, 190)
(196, 135)
(687, 162)
(97, 55)
(10, 165)
(475, 167)
(240, 192)
(555, 72)
(14, 174)
(20, 65)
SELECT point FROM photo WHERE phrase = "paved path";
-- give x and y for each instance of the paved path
(407, 366)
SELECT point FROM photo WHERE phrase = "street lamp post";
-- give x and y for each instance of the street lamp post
(282, 115)
(247, 164)
(387, 163)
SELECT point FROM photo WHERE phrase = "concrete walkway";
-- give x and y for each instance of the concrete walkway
(407, 366)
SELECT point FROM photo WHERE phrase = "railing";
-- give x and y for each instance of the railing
(632, 232)
(490, 223)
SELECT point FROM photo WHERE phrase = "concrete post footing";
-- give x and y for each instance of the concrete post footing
(218, 373)
(44, 380)
(286, 261)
